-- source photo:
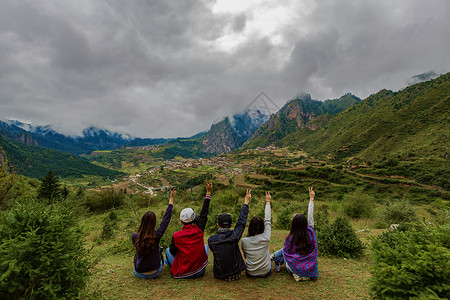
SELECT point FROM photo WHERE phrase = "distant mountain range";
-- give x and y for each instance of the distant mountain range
(409, 124)
(35, 161)
(92, 138)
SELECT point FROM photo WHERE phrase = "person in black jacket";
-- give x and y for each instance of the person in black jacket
(228, 261)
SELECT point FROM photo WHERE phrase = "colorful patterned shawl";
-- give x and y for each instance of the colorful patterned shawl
(302, 265)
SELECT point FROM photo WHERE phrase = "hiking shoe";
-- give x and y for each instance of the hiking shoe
(277, 266)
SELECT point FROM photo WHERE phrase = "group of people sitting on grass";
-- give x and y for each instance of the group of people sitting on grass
(187, 255)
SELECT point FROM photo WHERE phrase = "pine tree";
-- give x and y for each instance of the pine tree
(7, 177)
(50, 187)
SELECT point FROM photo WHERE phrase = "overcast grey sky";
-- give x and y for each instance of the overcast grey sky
(171, 68)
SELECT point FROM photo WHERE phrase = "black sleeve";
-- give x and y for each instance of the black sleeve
(241, 222)
(172, 248)
(204, 213)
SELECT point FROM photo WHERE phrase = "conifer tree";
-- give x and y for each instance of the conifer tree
(50, 187)
(7, 177)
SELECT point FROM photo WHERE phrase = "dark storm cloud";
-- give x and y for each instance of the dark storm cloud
(166, 68)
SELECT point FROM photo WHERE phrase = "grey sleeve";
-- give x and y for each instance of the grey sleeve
(311, 214)
(267, 222)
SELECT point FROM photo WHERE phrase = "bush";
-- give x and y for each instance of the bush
(411, 264)
(109, 225)
(284, 195)
(284, 218)
(339, 239)
(42, 255)
(358, 204)
(144, 200)
(396, 212)
(98, 202)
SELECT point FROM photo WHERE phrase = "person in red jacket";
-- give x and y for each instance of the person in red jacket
(188, 254)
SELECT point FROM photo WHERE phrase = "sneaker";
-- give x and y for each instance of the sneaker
(165, 262)
(296, 277)
(277, 266)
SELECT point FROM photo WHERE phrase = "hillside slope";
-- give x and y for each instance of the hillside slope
(411, 123)
(294, 115)
(35, 161)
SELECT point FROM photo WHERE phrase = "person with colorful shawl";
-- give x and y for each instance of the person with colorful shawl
(300, 246)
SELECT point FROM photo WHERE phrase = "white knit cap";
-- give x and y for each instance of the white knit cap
(187, 215)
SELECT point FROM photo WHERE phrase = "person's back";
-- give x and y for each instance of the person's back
(256, 246)
(148, 257)
(299, 252)
(228, 261)
(187, 254)
(190, 256)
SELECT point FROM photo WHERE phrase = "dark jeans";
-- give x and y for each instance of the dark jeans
(260, 276)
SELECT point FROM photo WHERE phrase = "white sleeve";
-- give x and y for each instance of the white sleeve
(267, 222)
(311, 214)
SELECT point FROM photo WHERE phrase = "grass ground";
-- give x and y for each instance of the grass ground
(113, 276)
(339, 279)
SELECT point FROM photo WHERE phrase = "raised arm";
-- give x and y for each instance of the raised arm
(167, 215)
(242, 220)
(267, 217)
(205, 208)
(312, 194)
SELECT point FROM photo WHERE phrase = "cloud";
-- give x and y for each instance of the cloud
(164, 69)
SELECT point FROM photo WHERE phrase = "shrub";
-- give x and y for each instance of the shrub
(42, 255)
(396, 212)
(284, 218)
(284, 195)
(102, 201)
(358, 204)
(109, 225)
(339, 239)
(144, 200)
(321, 219)
(411, 264)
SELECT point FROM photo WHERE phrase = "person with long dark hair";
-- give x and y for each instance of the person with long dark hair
(256, 245)
(299, 252)
(148, 262)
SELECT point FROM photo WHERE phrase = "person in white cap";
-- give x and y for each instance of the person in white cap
(188, 254)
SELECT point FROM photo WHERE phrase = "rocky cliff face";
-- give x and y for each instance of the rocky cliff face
(318, 122)
(27, 139)
(220, 138)
(228, 135)
(297, 114)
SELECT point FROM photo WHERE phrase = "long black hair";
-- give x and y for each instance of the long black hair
(300, 236)
(146, 240)
(256, 226)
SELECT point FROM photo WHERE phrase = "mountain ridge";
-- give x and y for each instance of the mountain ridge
(294, 115)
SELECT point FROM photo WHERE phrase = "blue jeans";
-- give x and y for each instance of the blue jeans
(170, 258)
(279, 259)
(148, 276)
